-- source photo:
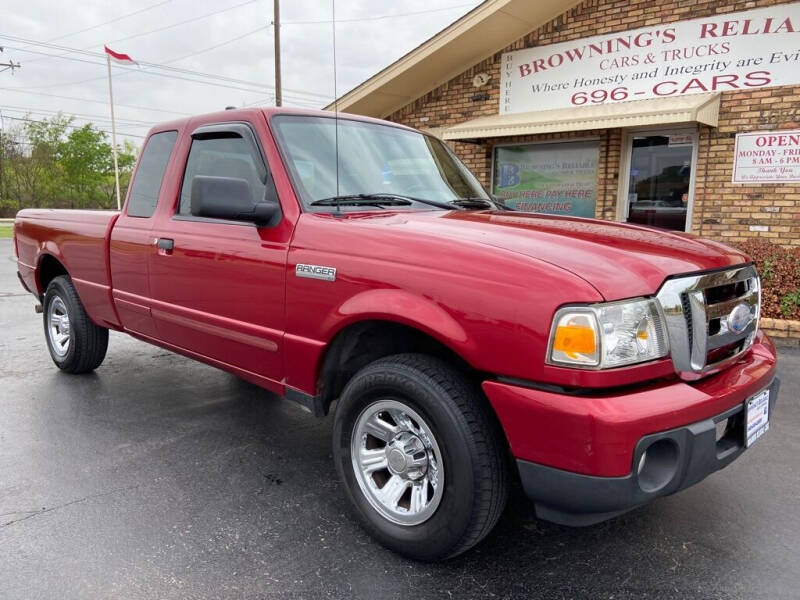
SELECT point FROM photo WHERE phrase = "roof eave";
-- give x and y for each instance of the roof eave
(487, 29)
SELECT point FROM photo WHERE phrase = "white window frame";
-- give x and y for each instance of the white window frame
(625, 167)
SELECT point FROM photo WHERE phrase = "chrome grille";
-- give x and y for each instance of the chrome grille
(687, 314)
(705, 316)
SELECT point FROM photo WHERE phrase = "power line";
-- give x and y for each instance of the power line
(215, 46)
(164, 28)
(151, 72)
(9, 65)
(379, 18)
(105, 102)
(292, 97)
(49, 110)
(259, 101)
(73, 126)
(302, 101)
(192, 20)
(305, 96)
(298, 101)
(45, 111)
(90, 117)
(114, 20)
(160, 66)
(141, 62)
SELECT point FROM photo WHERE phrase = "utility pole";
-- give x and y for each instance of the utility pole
(276, 27)
(11, 64)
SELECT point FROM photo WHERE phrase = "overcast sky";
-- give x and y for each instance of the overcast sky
(236, 43)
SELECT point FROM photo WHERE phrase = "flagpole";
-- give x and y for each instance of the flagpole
(113, 131)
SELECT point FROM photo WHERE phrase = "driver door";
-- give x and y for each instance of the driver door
(218, 285)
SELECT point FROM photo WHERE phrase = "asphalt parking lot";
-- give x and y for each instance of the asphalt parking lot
(157, 477)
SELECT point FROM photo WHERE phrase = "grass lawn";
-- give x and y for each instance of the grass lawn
(6, 230)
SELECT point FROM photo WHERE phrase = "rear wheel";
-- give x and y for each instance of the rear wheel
(76, 344)
(421, 456)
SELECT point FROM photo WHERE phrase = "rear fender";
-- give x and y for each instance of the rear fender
(51, 249)
(95, 297)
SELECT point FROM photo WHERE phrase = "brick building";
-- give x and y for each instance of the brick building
(541, 100)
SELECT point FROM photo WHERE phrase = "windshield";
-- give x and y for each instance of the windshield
(373, 159)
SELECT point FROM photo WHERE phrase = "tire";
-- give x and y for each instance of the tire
(465, 455)
(84, 347)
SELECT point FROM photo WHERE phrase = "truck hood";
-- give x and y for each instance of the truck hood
(617, 259)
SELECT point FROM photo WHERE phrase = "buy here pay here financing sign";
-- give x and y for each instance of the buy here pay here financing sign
(735, 51)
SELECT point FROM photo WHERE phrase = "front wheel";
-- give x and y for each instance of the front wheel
(421, 456)
(76, 344)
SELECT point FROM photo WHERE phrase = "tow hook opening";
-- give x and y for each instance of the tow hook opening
(657, 465)
(729, 434)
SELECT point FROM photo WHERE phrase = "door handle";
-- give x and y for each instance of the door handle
(165, 245)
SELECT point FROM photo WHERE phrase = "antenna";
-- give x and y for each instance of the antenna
(277, 32)
(335, 97)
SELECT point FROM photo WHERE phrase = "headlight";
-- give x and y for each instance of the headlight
(608, 335)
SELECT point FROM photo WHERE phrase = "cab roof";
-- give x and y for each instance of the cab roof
(240, 114)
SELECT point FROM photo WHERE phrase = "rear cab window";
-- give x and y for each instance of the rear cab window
(149, 176)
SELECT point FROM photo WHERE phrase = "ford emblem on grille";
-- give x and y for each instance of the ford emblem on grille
(740, 318)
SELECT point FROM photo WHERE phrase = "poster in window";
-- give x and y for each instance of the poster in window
(559, 179)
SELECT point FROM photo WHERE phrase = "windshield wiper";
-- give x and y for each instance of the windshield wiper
(362, 200)
(478, 202)
(436, 203)
(379, 199)
(473, 202)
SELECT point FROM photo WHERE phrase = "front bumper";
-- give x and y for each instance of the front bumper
(578, 455)
(685, 456)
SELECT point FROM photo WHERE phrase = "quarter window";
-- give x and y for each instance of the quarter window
(226, 156)
(146, 185)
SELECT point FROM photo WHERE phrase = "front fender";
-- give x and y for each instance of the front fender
(402, 307)
(304, 355)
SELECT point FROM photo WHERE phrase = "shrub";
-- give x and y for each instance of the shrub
(779, 268)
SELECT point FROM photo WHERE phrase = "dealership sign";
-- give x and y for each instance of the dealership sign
(767, 157)
(735, 51)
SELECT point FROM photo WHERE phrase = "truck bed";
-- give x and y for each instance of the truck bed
(79, 240)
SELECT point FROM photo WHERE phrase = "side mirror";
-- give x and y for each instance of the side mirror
(229, 198)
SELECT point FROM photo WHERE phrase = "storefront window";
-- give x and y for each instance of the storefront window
(659, 186)
(558, 178)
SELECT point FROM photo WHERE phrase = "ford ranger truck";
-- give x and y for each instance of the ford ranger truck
(357, 264)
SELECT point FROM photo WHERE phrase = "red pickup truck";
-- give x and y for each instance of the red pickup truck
(358, 262)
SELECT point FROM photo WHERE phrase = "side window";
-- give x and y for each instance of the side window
(226, 155)
(146, 184)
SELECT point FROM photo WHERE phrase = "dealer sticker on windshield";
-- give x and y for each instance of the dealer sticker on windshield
(757, 416)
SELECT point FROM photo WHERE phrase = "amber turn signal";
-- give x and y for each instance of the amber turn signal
(574, 339)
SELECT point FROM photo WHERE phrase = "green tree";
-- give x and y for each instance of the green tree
(52, 163)
(85, 159)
